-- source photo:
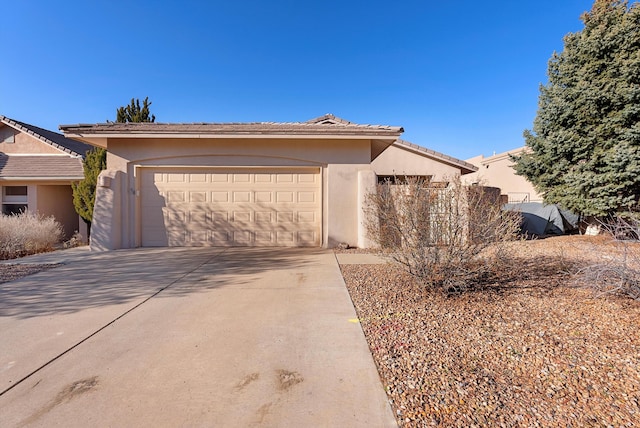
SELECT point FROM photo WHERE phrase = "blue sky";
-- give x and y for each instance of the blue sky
(461, 77)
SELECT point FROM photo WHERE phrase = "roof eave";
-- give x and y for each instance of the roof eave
(270, 135)
(101, 139)
(464, 171)
(42, 178)
(93, 141)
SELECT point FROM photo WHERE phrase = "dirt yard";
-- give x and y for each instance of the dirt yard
(533, 350)
(10, 272)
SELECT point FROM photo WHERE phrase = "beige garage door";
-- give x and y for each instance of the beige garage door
(230, 207)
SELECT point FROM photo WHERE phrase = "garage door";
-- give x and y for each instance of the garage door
(230, 207)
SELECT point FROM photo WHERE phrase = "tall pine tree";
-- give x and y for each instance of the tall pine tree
(134, 113)
(84, 192)
(585, 144)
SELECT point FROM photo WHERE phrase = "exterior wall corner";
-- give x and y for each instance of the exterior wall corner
(106, 227)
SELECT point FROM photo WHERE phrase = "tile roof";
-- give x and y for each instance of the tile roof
(465, 167)
(41, 166)
(329, 119)
(59, 141)
(324, 125)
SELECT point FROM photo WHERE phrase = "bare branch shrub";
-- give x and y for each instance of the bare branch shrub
(618, 274)
(27, 233)
(76, 240)
(441, 232)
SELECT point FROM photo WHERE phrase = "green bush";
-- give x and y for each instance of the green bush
(27, 233)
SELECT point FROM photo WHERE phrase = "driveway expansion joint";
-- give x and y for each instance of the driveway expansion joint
(77, 344)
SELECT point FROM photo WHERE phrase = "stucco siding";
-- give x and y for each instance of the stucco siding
(342, 203)
(497, 171)
(397, 160)
(57, 201)
(273, 151)
(337, 160)
(26, 144)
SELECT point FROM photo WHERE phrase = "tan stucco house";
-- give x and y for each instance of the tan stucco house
(245, 184)
(37, 168)
(497, 171)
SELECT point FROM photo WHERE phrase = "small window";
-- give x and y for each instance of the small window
(14, 199)
(15, 190)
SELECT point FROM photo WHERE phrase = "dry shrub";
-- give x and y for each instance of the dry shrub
(441, 233)
(76, 240)
(27, 233)
(619, 273)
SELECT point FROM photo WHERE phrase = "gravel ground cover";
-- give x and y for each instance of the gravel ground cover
(10, 272)
(532, 350)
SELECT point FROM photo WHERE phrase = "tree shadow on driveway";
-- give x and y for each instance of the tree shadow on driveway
(123, 276)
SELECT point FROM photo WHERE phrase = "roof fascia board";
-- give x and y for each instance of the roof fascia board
(45, 178)
(94, 138)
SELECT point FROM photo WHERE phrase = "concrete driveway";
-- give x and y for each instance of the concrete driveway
(186, 337)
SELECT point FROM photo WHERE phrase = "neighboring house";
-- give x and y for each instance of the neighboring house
(243, 184)
(497, 171)
(37, 168)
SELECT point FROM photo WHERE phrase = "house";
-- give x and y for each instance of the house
(235, 184)
(37, 168)
(497, 171)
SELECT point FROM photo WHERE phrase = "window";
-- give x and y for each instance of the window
(14, 199)
(402, 179)
(15, 191)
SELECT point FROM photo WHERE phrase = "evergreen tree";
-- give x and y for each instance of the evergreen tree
(585, 144)
(84, 192)
(134, 113)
